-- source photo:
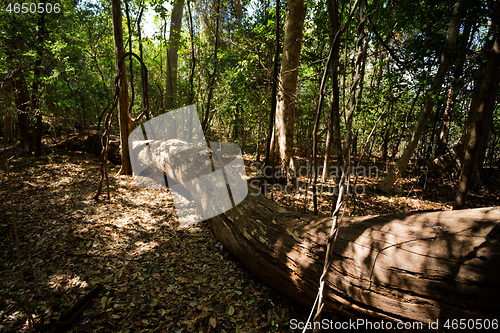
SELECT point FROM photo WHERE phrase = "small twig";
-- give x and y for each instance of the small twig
(105, 143)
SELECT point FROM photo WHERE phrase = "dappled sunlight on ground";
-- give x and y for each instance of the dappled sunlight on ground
(155, 274)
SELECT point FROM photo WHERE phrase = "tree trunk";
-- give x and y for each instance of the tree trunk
(193, 58)
(442, 142)
(144, 84)
(173, 53)
(37, 73)
(485, 133)
(417, 266)
(272, 115)
(449, 48)
(451, 163)
(334, 118)
(211, 79)
(488, 89)
(286, 105)
(6, 95)
(123, 102)
(455, 85)
(8, 134)
(23, 104)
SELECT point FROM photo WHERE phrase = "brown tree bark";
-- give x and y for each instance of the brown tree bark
(333, 131)
(449, 48)
(211, 79)
(37, 73)
(193, 57)
(485, 133)
(274, 88)
(173, 54)
(417, 266)
(478, 116)
(23, 104)
(287, 94)
(123, 102)
(455, 85)
(7, 104)
(144, 84)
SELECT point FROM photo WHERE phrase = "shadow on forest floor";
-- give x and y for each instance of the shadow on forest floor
(156, 276)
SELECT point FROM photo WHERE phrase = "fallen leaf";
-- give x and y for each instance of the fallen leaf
(292, 232)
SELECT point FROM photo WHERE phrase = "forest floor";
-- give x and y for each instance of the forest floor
(152, 275)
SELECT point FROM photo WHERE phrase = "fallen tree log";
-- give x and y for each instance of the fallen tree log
(417, 266)
(420, 266)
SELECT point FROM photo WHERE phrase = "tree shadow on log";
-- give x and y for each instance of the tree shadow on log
(417, 266)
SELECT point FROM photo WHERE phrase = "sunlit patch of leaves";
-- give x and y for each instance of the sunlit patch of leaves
(156, 276)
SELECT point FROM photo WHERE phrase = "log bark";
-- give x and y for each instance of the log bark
(416, 266)
(419, 266)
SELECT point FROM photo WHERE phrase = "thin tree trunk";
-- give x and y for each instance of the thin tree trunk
(488, 89)
(272, 115)
(145, 94)
(211, 80)
(37, 73)
(334, 118)
(387, 133)
(130, 63)
(335, 43)
(124, 120)
(455, 85)
(193, 58)
(485, 133)
(449, 48)
(23, 105)
(7, 105)
(173, 54)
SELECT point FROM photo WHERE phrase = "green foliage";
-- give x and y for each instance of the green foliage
(78, 64)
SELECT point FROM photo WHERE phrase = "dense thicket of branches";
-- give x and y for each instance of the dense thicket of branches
(67, 64)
